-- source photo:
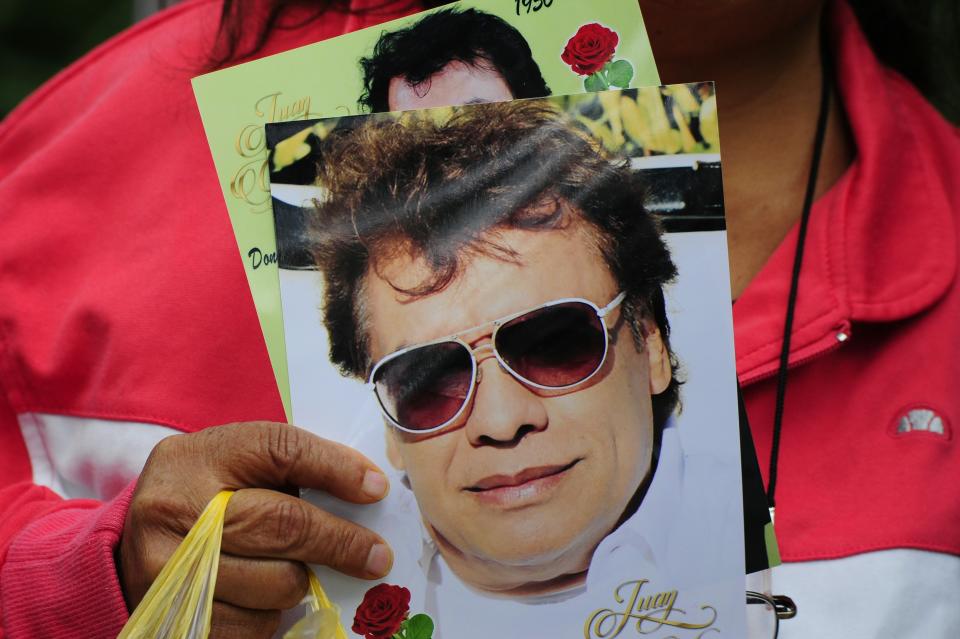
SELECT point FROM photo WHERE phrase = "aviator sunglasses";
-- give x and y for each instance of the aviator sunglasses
(555, 346)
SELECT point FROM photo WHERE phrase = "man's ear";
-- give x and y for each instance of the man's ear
(660, 370)
(393, 452)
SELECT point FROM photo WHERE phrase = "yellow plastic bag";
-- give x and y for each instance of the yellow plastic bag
(323, 620)
(179, 604)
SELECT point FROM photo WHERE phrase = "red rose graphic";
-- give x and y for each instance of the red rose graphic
(381, 612)
(591, 48)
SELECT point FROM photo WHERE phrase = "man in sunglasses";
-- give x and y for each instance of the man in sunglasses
(496, 281)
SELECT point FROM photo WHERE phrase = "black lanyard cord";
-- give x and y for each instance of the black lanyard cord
(826, 79)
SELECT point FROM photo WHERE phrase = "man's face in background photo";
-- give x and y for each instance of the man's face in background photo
(448, 58)
(524, 485)
(457, 83)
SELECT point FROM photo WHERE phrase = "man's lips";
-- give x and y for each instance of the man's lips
(525, 486)
(529, 474)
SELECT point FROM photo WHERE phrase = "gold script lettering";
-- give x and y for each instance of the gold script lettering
(270, 108)
(251, 141)
(251, 180)
(251, 183)
(649, 613)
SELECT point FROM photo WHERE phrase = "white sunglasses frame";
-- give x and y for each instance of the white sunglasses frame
(491, 345)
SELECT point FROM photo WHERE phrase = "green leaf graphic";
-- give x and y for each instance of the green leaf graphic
(595, 82)
(619, 73)
(419, 627)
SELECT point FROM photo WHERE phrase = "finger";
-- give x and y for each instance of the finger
(234, 622)
(261, 584)
(267, 454)
(265, 523)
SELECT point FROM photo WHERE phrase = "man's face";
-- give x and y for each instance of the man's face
(455, 84)
(525, 485)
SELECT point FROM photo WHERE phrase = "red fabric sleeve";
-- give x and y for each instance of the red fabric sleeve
(57, 574)
(21, 501)
(59, 578)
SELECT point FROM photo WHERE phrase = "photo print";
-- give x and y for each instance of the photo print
(520, 310)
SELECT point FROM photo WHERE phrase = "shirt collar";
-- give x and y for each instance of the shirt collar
(645, 535)
(881, 245)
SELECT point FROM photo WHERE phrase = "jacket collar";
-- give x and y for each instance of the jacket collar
(881, 245)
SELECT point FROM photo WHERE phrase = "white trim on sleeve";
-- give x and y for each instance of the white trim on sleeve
(79, 457)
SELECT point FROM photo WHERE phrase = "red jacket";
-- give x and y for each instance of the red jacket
(876, 334)
(869, 471)
(124, 299)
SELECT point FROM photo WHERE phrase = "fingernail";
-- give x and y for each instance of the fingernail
(374, 484)
(379, 560)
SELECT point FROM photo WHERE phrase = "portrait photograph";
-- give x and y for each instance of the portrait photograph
(520, 311)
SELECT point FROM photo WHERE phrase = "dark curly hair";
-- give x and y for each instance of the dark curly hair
(469, 36)
(436, 187)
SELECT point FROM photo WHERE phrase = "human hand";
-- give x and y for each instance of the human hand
(269, 533)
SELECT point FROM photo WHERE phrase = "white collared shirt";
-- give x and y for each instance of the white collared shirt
(677, 540)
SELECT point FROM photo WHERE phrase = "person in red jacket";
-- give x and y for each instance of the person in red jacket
(126, 318)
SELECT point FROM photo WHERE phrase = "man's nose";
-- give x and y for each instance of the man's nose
(504, 410)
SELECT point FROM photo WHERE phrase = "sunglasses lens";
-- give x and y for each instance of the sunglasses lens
(426, 387)
(555, 346)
